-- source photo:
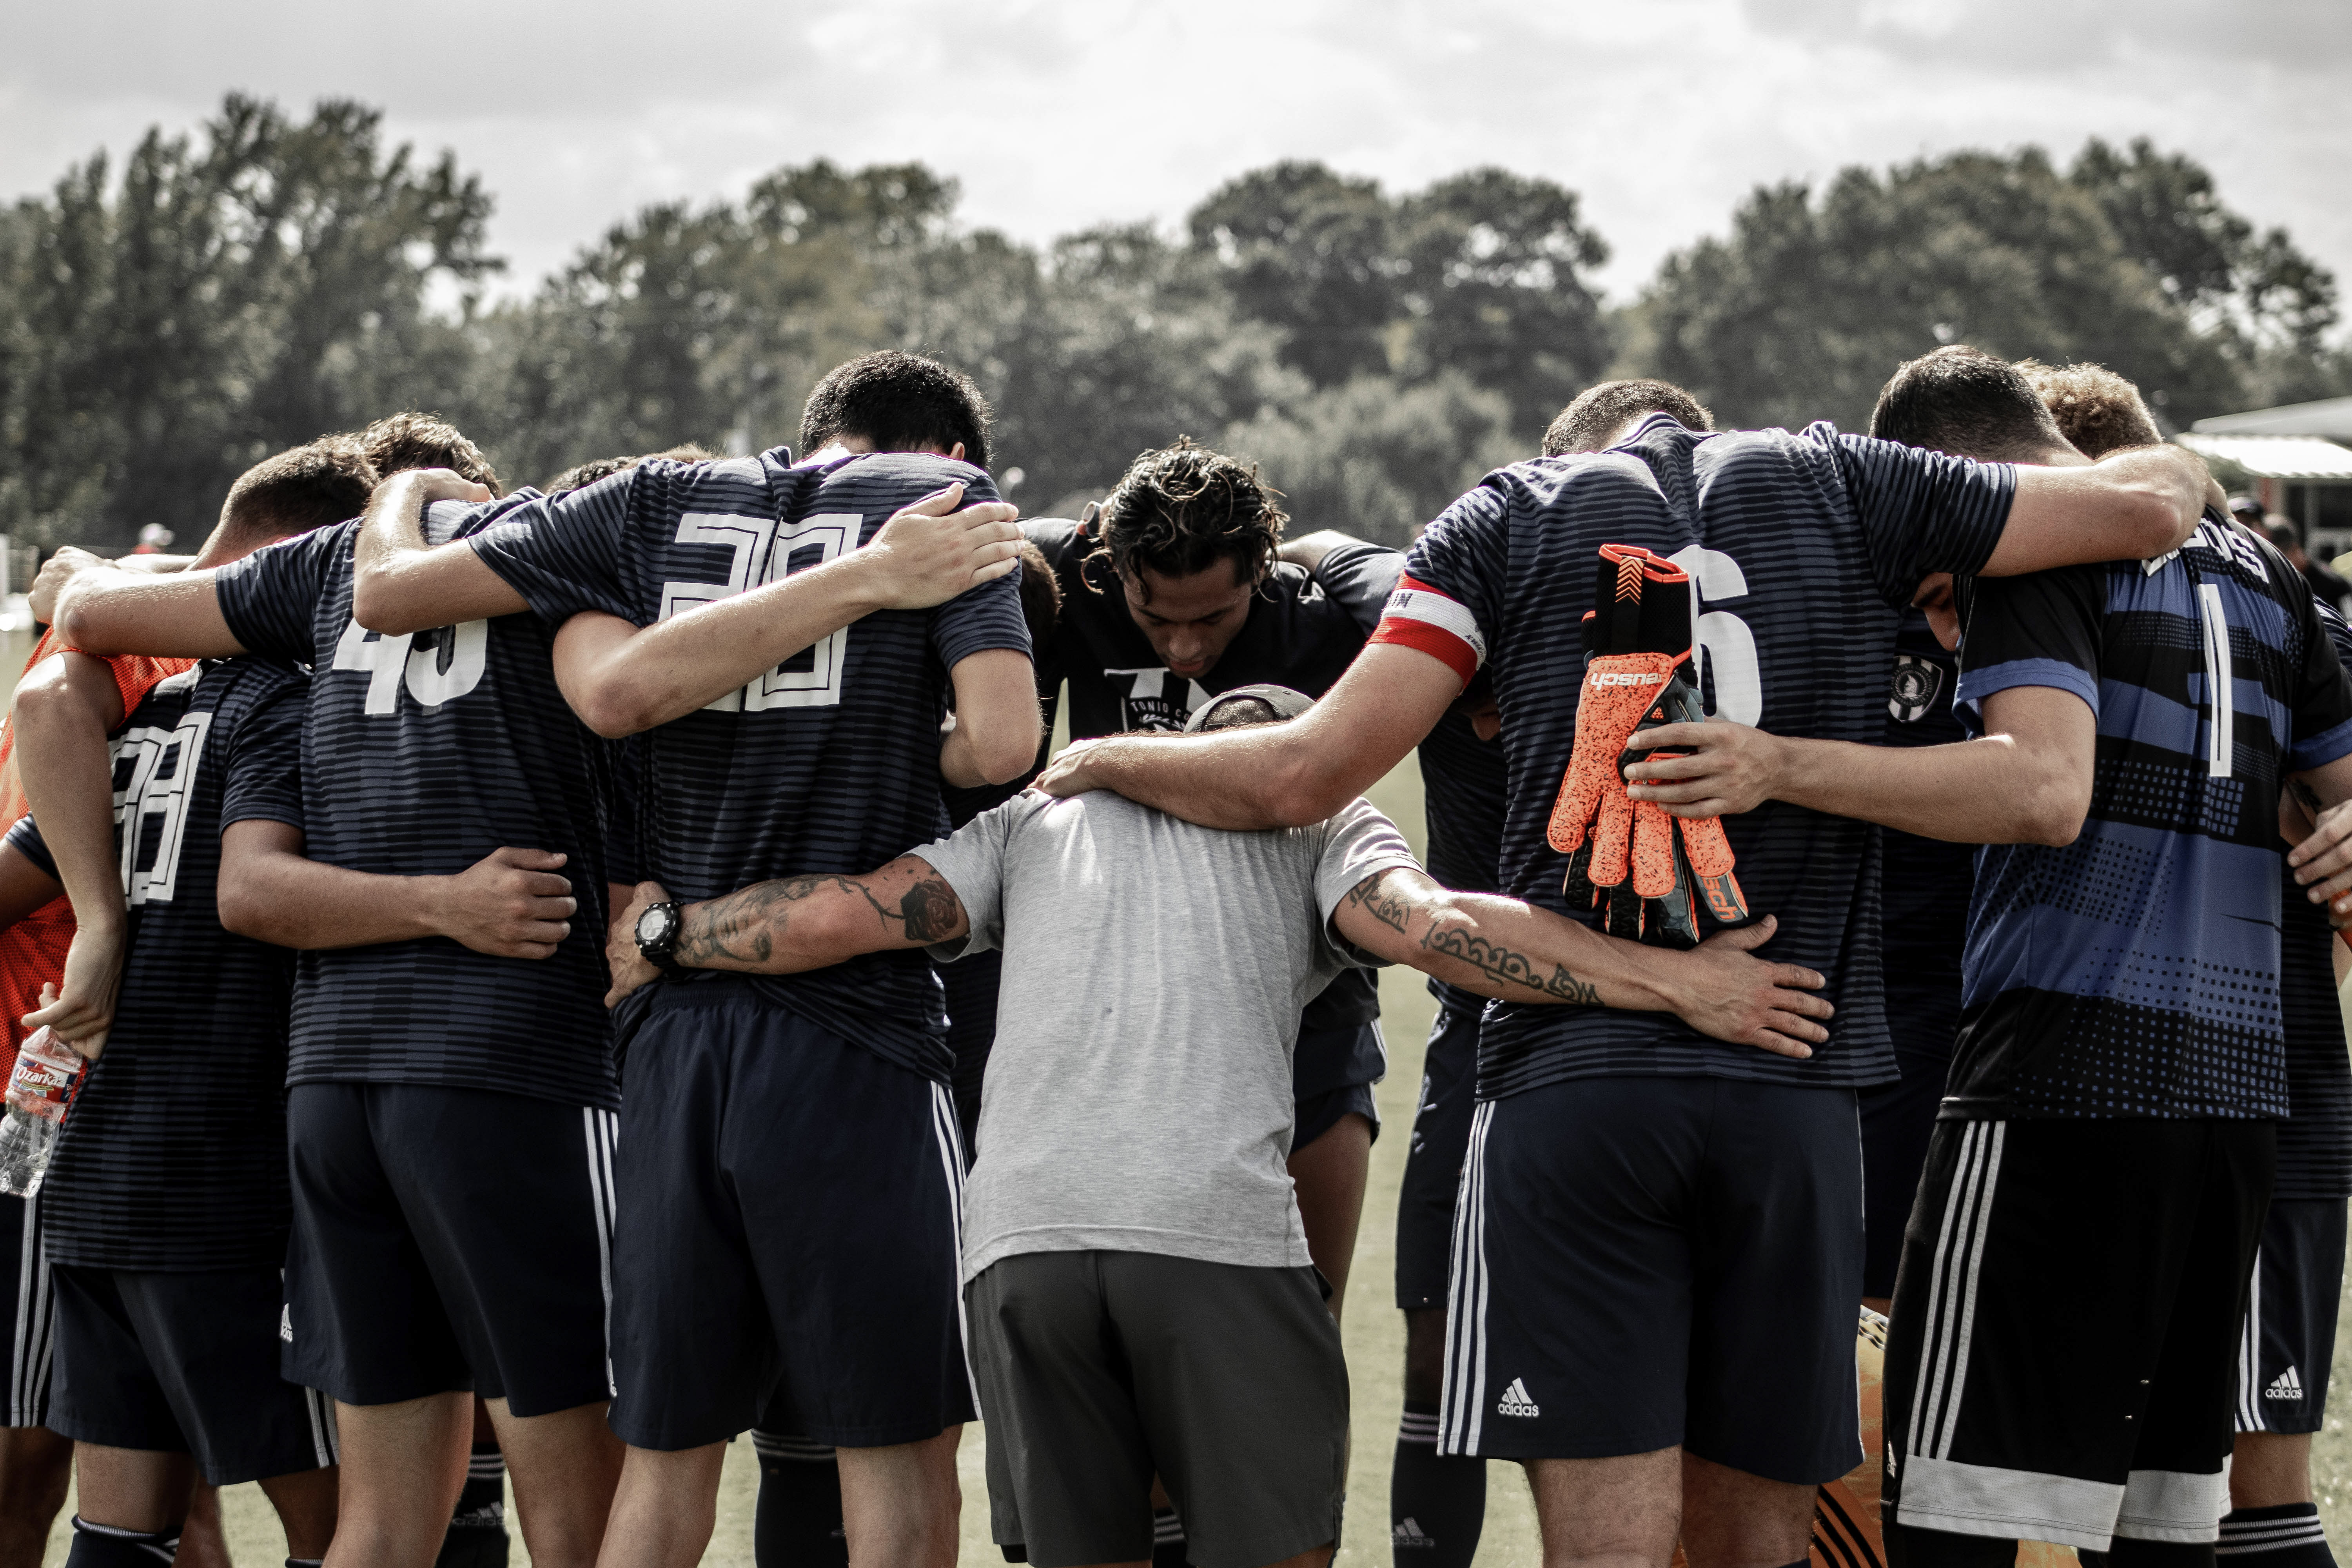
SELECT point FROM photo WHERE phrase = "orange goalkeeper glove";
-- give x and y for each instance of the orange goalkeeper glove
(1638, 647)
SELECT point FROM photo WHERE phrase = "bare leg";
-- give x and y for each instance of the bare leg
(1331, 1175)
(2268, 1469)
(36, 1464)
(1610, 1513)
(565, 1467)
(403, 1465)
(145, 1489)
(1424, 1354)
(1882, 1305)
(663, 1508)
(1734, 1520)
(304, 1502)
(201, 1545)
(898, 1505)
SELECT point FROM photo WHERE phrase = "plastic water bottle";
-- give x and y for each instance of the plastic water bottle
(34, 1109)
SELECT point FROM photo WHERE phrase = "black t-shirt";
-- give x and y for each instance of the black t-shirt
(1303, 630)
(2135, 971)
(420, 755)
(173, 1154)
(828, 763)
(1804, 551)
(1924, 882)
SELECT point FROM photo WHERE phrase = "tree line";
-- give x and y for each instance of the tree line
(233, 292)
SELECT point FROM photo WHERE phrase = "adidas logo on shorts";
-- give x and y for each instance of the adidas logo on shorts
(2286, 1385)
(1518, 1401)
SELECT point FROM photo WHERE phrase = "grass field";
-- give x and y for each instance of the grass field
(1373, 1331)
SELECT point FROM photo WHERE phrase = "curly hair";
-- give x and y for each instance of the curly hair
(580, 475)
(2096, 409)
(400, 442)
(1182, 509)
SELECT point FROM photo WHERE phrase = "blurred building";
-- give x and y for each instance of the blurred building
(2299, 458)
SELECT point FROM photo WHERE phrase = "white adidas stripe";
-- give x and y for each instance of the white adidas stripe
(951, 1142)
(602, 1129)
(1462, 1405)
(1952, 1291)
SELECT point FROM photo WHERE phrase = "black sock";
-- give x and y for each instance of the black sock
(104, 1546)
(306, 1562)
(1908, 1546)
(798, 1524)
(1437, 1504)
(2127, 1551)
(2287, 1536)
(1168, 1543)
(476, 1537)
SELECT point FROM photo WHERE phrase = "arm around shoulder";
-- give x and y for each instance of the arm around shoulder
(2132, 505)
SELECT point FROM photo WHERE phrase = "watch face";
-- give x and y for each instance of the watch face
(653, 925)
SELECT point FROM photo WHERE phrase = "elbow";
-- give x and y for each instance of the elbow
(2163, 523)
(242, 909)
(378, 605)
(1303, 791)
(2054, 814)
(1004, 755)
(78, 629)
(612, 713)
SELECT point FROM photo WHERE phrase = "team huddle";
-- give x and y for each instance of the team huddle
(571, 976)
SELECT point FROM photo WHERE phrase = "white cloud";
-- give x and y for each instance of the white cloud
(1059, 114)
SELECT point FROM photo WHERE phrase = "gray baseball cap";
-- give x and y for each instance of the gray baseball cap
(1286, 703)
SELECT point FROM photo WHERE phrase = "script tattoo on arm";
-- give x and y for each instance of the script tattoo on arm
(1374, 896)
(1500, 964)
(746, 930)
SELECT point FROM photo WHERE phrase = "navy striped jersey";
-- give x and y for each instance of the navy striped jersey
(827, 763)
(1924, 882)
(1303, 630)
(1464, 788)
(2314, 1142)
(173, 1154)
(2135, 970)
(422, 755)
(1803, 550)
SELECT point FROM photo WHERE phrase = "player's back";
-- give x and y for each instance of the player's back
(1801, 550)
(827, 763)
(422, 755)
(174, 1154)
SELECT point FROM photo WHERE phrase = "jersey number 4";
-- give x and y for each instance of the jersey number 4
(447, 670)
(764, 551)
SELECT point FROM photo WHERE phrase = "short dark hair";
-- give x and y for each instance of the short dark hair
(1182, 509)
(2096, 410)
(1600, 412)
(1236, 711)
(900, 401)
(400, 442)
(581, 475)
(1041, 595)
(1966, 402)
(314, 486)
(2283, 532)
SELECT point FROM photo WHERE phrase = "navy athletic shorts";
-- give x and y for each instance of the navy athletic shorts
(446, 1240)
(1639, 1262)
(1898, 1120)
(2289, 1340)
(185, 1363)
(788, 1238)
(25, 1265)
(1433, 1165)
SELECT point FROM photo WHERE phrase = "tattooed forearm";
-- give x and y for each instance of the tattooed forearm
(1374, 896)
(746, 930)
(1502, 965)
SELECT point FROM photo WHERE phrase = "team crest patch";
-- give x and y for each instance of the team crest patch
(1916, 685)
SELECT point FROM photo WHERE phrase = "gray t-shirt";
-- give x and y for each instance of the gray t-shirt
(1138, 1096)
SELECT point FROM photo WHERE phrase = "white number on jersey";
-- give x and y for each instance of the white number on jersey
(157, 772)
(762, 551)
(388, 661)
(1725, 643)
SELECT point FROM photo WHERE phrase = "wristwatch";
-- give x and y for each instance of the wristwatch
(657, 934)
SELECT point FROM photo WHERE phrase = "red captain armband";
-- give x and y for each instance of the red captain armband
(1418, 617)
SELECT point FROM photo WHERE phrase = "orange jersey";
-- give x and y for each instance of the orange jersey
(33, 950)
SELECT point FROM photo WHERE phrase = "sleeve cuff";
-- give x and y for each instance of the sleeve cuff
(1976, 685)
(2321, 749)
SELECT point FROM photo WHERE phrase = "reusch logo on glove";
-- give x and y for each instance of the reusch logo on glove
(1623, 677)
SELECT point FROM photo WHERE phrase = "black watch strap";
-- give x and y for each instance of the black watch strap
(662, 951)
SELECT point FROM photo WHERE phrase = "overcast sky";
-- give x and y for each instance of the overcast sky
(1056, 114)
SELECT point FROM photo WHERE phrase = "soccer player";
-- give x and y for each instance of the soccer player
(746, 1097)
(1180, 585)
(1634, 1190)
(1137, 1278)
(2109, 1117)
(2290, 1335)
